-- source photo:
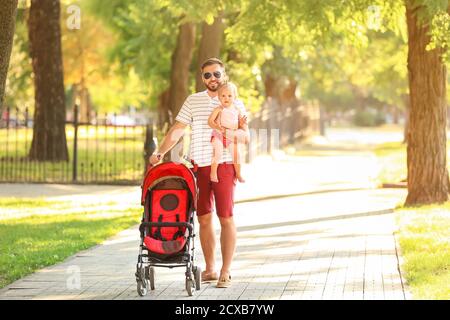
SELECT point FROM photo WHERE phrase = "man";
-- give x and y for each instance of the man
(195, 113)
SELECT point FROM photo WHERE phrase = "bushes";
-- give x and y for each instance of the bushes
(368, 118)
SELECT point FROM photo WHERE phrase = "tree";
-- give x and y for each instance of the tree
(147, 48)
(210, 44)
(49, 136)
(281, 23)
(8, 11)
(19, 91)
(428, 180)
(179, 74)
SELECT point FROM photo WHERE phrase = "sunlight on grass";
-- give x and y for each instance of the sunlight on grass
(24, 202)
(392, 158)
(424, 239)
(33, 242)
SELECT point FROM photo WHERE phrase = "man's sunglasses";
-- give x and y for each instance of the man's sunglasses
(216, 74)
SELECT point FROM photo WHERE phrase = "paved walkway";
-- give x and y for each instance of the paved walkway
(323, 231)
(321, 246)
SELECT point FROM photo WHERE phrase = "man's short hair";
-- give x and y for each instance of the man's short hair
(212, 61)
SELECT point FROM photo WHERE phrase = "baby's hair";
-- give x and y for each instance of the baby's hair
(229, 85)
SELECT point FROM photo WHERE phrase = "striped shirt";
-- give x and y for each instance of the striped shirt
(195, 112)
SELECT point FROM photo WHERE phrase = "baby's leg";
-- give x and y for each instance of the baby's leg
(236, 152)
(217, 156)
(241, 135)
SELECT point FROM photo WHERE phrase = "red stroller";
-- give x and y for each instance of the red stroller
(169, 195)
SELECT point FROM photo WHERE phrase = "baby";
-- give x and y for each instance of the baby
(225, 122)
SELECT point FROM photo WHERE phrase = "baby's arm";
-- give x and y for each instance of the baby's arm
(213, 117)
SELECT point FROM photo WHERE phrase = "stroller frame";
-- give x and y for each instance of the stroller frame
(148, 260)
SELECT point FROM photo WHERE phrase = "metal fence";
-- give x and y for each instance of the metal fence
(104, 150)
(101, 151)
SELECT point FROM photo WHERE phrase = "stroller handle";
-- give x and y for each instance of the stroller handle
(166, 224)
(185, 158)
(192, 162)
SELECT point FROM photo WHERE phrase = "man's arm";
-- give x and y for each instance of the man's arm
(243, 125)
(169, 141)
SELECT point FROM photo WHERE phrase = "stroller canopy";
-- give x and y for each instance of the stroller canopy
(168, 169)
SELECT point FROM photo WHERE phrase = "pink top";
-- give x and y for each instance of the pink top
(229, 118)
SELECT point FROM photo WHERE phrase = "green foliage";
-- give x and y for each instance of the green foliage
(342, 53)
(139, 26)
(440, 33)
(368, 118)
(147, 33)
(19, 84)
(427, 9)
(336, 50)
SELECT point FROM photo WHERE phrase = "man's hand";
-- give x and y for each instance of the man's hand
(155, 158)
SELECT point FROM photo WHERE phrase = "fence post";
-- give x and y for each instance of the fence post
(149, 144)
(75, 143)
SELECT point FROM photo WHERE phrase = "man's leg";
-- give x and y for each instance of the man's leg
(207, 241)
(227, 244)
(224, 196)
(204, 216)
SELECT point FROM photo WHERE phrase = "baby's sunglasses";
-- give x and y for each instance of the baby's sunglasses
(216, 74)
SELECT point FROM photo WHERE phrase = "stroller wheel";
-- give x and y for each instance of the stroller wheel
(151, 277)
(142, 284)
(197, 276)
(142, 288)
(190, 286)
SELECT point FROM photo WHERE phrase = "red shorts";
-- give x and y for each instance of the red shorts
(222, 192)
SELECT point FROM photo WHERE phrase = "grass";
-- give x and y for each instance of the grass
(424, 238)
(392, 160)
(36, 241)
(424, 232)
(18, 203)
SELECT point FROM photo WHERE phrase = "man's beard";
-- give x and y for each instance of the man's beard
(213, 89)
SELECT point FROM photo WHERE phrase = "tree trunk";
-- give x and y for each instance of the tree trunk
(49, 136)
(181, 61)
(85, 103)
(407, 102)
(8, 10)
(210, 44)
(179, 79)
(270, 86)
(428, 180)
(163, 110)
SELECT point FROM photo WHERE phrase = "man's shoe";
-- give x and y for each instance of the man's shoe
(224, 282)
(209, 276)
